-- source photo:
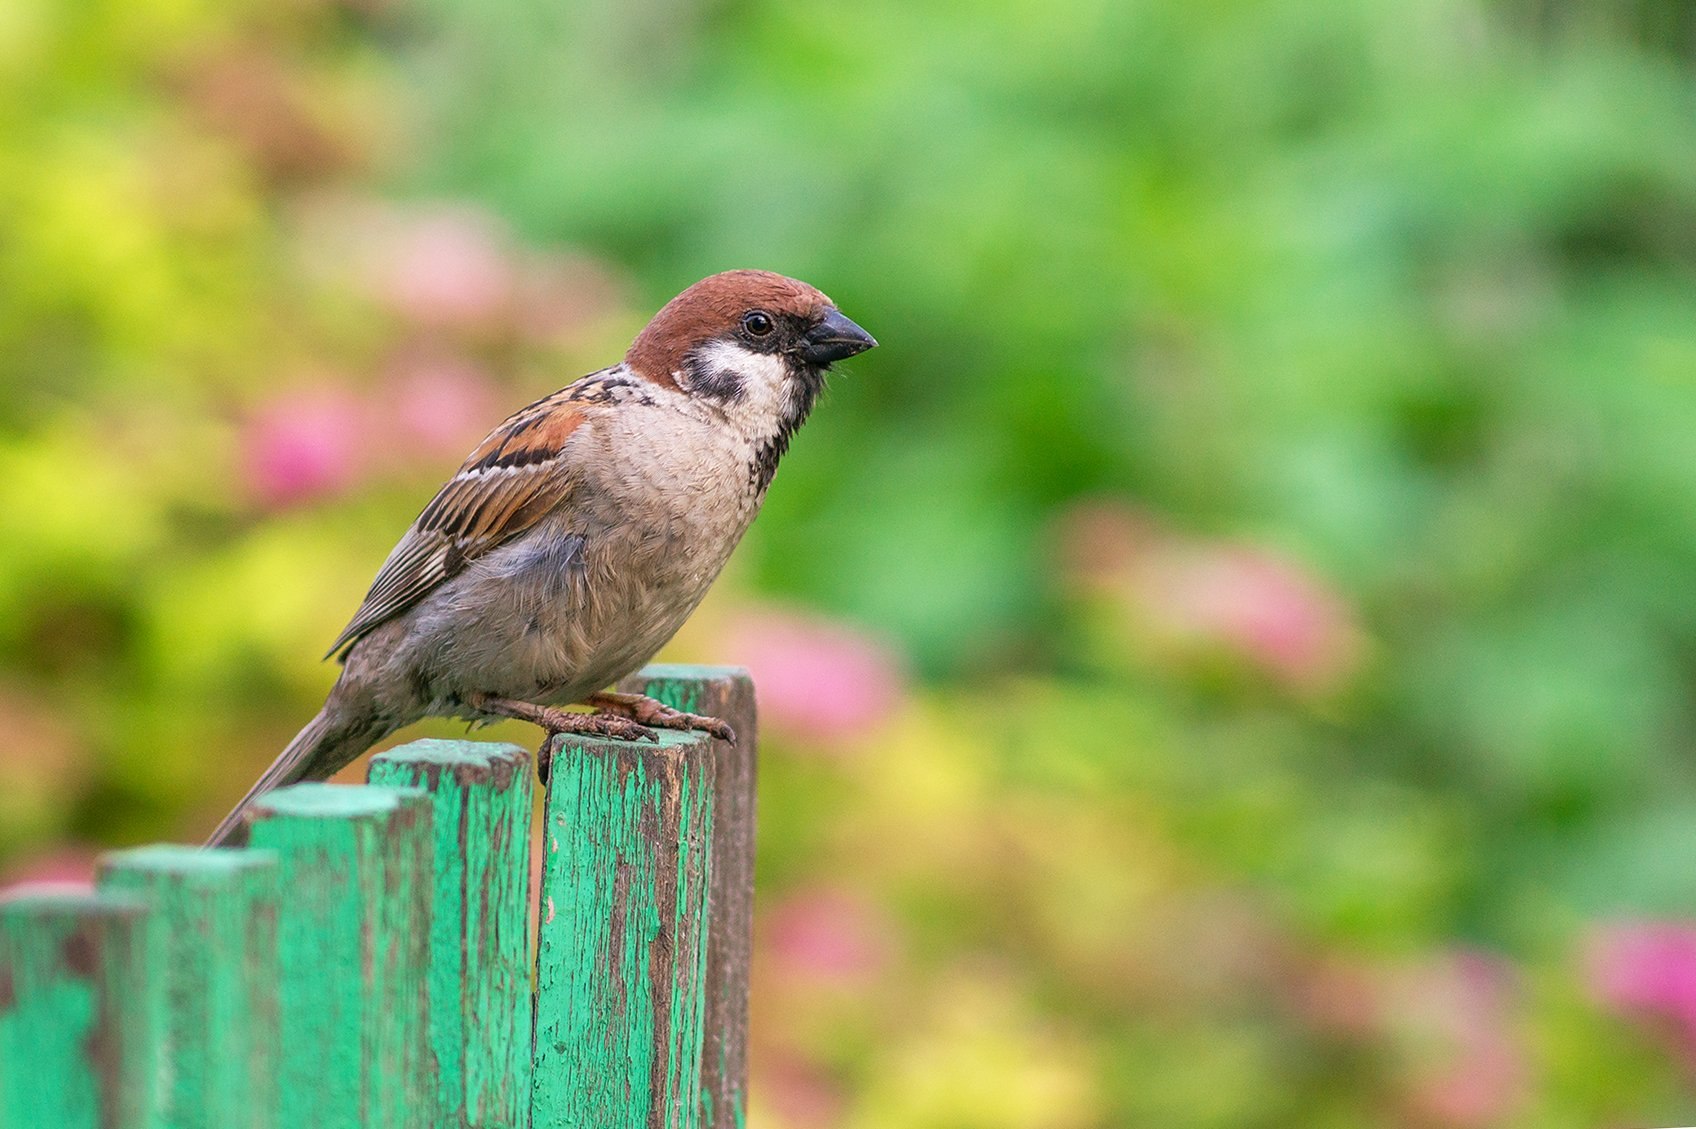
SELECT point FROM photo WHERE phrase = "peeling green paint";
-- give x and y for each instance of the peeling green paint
(213, 919)
(79, 1017)
(365, 964)
(726, 692)
(678, 685)
(353, 934)
(480, 1000)
(621, 953)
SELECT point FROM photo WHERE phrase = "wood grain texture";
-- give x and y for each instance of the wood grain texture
(213, 920)
(622, 936)
(481, 1008)
(353, 931)
(79, 1012)
(727, 693)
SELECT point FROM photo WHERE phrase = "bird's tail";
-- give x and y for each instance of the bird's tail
(327, 743)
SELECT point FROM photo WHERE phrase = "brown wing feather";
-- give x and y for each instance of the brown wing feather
(511, 481)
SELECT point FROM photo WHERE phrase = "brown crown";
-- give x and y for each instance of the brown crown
(711, 308)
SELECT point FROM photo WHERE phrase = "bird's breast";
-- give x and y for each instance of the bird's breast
(681, 485)
(596, 588)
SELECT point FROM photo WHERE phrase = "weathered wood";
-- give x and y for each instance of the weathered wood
(622, 945)
(727, 693)
(79, 1012)
(213, 920)
(353, 930)
(481, 1008)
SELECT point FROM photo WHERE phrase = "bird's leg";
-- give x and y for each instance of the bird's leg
(647, 711)
(557, 721)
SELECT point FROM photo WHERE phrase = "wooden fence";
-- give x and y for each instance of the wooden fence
(366, 961)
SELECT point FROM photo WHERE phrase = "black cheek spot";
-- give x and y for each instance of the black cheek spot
(722, 385)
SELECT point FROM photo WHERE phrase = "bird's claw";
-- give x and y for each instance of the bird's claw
(677, 719)
(647, 711)
(586, 725)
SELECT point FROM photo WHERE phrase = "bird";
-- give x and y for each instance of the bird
(579, 535)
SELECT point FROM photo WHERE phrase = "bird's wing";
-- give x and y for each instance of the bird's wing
(513, 479)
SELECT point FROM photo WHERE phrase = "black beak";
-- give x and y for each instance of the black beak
(834, 339)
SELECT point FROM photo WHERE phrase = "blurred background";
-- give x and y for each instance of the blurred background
(1228, 659)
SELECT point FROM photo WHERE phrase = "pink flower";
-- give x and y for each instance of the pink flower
(1267, 609)
(303, 445)
(1447, 1023)
(1192, 595)
(832, 937)
(442, 404)
(817, 679)
(449, 267)
(560, 295)
(1647, 969)
(1468, 1067)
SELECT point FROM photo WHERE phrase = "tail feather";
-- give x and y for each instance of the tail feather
(320, 749)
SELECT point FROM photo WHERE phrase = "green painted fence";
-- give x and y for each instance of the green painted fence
(367, 961)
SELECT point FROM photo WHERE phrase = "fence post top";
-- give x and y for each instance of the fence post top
(68, 899)
(690, 672)
(180, 859)
(337, 801)
(671, 741)
(482, 758)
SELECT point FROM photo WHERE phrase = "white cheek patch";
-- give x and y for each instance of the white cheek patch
(764, 380)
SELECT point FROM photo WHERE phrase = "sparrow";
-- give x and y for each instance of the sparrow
(581, 533)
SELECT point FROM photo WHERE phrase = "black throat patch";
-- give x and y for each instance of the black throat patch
(805, 384)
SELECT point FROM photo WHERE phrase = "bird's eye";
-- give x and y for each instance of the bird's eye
(758, 323)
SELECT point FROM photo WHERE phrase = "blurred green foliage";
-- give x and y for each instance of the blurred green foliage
(1279, 469)
(1395, 289)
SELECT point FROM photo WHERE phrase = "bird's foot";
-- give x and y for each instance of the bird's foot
(557, 721)
(645, 710)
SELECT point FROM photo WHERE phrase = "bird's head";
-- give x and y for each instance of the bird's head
(755, 343)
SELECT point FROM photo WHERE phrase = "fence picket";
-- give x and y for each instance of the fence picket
(365, 964)
(481, 1006)
(213, 917)
(621, 953)
(727, 693)
(79, 1012)
(353, 937)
